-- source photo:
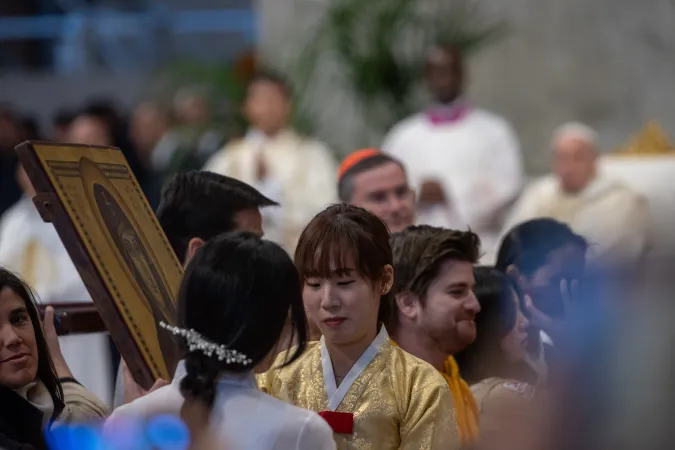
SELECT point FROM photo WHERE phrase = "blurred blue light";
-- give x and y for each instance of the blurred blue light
(125, 434)
(80, 437)
(168, 433)
(58, 438)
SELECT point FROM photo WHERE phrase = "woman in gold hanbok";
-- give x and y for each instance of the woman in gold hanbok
(373, 394)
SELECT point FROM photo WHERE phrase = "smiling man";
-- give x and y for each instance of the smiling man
(434, 306)
(378, 183)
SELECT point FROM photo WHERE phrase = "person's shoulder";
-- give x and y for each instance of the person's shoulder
(315, 432)
(295, 424)
(419, 372)
(622, 190)
(400, 138)
(166, 399)
(492, 122)
(544, 185)
(293, 415)
(499, 392)
(277, 372)
(409, 123)
(489, 117)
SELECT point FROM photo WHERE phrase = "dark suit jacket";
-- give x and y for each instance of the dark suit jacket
(21, 422)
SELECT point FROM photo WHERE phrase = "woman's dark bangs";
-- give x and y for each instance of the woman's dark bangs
(327, 252)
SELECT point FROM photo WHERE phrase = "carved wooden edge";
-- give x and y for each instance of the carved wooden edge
(75, 318)
(51, 208)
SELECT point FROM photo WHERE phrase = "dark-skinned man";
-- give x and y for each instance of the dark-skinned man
(463, 162)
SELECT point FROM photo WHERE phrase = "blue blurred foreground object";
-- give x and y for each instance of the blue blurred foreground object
(168, 433)
(84, 437)
(164, 432)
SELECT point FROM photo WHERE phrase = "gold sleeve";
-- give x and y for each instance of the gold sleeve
(264, 381)
(430, 421)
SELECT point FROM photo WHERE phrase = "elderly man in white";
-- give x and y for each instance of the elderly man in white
(611, 216)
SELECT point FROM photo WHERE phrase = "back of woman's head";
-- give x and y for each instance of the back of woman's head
(45, 370)
(240, 292)
(497, 317)
(342, 236)
(528, 245)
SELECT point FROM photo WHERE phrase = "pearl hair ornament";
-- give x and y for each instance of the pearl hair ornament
(197, 342)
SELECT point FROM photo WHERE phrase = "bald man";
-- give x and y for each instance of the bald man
(611, 216)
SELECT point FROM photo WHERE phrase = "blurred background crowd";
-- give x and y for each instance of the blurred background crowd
(562, 110)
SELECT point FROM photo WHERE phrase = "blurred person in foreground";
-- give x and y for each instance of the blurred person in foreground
(372, 393)
(610, 215)
(544, 258)
(378, 183)
(502, 383)
(433, 312)
(32, 248)
(37, 390)
(238, 295)
(195, 207)
(297, 172)
(464, 163)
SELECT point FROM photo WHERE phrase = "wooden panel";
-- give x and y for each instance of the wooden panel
(111, 234)
(75, 318)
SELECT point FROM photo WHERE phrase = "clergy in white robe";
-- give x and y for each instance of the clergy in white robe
(464, 162)
(614, 218)
(297, 172)
(242, 418)
(32, 249)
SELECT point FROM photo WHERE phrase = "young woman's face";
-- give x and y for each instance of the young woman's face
(514, 344)
(344, 306)
(18, 347)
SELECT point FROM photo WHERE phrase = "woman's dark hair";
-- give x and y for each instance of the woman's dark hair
(528, 245)
(345, 236)
(46, 372)
(497, 317)
(239, 291)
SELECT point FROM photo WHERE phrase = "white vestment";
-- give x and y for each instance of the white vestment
(32, 249)
(242, 418)
(611, 216)
(476, 159)
(301, 177)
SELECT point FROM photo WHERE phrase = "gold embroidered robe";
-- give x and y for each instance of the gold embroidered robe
(398, 401)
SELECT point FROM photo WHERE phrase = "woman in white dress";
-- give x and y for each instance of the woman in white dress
(239, 296)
